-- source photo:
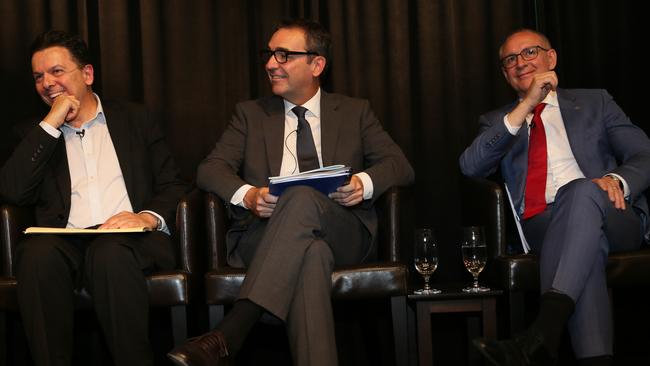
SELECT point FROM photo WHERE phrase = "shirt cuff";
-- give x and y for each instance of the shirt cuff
(163, 225)
(50, 130)
(513, 130)
(368, 188)
(238, 197)
(626, 188)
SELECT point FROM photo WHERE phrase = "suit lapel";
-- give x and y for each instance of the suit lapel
(330, 121)
(273, 126)
(118, 128)
(63, 174)
(573, 124)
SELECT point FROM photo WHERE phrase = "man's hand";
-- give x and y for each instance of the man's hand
(613, 189)
(350, 194)
(125, 219)
(260, 202)
(64, 109)
(539, 88)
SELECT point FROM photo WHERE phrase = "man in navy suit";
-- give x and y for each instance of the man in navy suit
(583, 199)
(89, 162)
(291, 243)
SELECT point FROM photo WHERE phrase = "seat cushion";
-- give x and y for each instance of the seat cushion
(350, 282)
(166, 288)
(521, 272)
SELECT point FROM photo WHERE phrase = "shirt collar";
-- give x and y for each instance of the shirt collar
(98, 117)
(551, 99)
(312, 105)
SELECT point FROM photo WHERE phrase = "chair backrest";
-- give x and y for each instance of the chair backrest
(482, 204)
(14, 220)
(388, 235)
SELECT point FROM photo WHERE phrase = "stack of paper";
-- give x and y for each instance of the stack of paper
(326, 179)
(57, 230)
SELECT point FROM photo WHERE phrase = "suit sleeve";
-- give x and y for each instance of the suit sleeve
(483, 156)
(383, 160)
(24, 170)
(630, 145)
(219, 171)
(166, 187)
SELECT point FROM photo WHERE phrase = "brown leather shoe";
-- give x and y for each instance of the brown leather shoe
(206, 350)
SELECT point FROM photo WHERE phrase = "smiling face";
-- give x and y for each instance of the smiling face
(520, 76)
(297, 79)
(56, 72)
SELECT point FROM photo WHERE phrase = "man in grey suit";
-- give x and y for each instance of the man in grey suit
(290, 244)
(576, 168)
(89, 162)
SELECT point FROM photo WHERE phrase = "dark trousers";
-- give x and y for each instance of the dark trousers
(290, 259)
(111, 267)
(573, 238)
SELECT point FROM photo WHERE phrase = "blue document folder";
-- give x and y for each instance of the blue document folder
(325, 180)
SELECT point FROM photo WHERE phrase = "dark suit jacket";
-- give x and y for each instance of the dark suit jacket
(37, 172)
(250, 150)
(601, 136)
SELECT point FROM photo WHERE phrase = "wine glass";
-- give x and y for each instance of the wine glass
(425, 257)
(474, 255)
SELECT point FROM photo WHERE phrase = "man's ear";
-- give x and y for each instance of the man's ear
(552, 58)
(89, 74)
(318, 65)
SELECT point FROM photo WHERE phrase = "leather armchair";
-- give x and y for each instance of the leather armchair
(485, 203)
(174, 288)
(384, 279)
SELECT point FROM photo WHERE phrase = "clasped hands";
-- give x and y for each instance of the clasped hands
(261, 203)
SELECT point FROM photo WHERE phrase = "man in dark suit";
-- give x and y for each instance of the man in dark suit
(89, 163)
(576, 168)
(290, 244)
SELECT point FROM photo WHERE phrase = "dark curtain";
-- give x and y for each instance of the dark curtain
(428, 67)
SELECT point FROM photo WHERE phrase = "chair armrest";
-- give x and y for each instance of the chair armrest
(216, 222)
(191, 233)
(482, 204)
(14, 219)
(388, 219)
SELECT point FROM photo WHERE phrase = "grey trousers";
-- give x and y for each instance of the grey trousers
(573, 238)
(290, 258)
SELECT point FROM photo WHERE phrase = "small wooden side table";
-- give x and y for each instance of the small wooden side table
(451, 300)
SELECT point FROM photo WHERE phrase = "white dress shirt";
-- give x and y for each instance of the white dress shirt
(562, 165)
(289, 156)
(97, 185)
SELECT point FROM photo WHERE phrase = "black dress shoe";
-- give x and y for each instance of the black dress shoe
(206, 350)
(524, 350)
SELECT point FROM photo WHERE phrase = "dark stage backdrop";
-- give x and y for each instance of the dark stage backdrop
(429, 68)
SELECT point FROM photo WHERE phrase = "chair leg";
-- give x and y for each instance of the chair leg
(400, 330)
(179, 324)
(215, 315)
(517, 312)
(3, 339)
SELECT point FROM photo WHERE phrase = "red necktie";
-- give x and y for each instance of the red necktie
(535, 196)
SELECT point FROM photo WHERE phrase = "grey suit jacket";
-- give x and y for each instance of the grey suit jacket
(250, 150)
(602, 139)
(37, 172)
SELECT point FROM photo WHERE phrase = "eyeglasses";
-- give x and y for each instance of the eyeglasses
(526, 54)
(282, 56)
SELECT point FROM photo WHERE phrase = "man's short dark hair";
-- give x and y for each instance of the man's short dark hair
(72, 42)
(316, 37)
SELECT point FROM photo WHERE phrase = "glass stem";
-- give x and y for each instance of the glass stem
(476, 281)
(426, 283)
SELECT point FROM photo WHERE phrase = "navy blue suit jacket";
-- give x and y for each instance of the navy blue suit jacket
(602, 139)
